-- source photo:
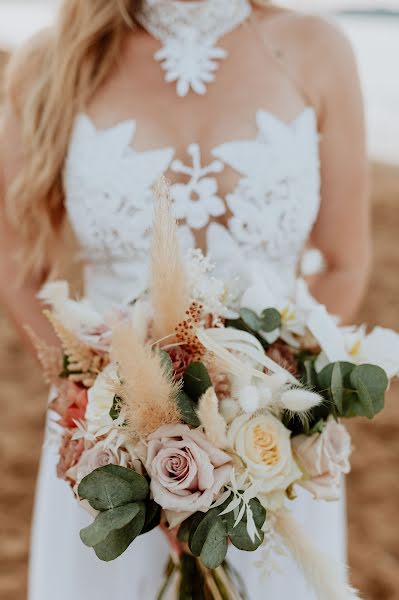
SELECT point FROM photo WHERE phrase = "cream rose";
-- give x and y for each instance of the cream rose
(324, 458)
(187, 472)
(264, 445)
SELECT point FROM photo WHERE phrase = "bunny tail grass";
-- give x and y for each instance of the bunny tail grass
(169, 292)
(211, 420)
(148, 394)
(327, 577)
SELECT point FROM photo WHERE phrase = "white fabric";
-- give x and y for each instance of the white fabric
(272, 210)
(189, 32)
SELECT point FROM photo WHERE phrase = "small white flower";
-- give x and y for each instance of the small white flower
(100, 400)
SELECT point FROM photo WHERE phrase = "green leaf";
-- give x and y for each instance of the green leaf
(371, 383)
(270, 320)
(112, 486)
(119, 540)
(335, 384)
(166, 363)
(199, 531)
(251, 319)
(239, 535)
(196, 380)
(215, 547)
(188, 410)
(107, 521)
(152, 516)
(116, 407)
(337, 387)
(191, 523)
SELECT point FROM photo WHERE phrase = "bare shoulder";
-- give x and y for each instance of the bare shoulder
(316, 49)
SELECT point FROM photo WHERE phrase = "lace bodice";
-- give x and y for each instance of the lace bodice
(269, 214)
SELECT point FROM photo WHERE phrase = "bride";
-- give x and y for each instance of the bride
(254, 114)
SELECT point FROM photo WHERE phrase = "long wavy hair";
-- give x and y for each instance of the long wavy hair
(60, 73)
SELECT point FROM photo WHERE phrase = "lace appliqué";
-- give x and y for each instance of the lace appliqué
(278, 196)
(197, 200)
(109, 201)
(189, 33)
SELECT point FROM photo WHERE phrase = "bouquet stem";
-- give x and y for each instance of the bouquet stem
(188, 579)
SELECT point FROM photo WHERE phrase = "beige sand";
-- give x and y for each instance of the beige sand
(373, 487)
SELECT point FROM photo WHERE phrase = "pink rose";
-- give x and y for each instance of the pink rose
(100, 455)
(324, 457)
(187, 472)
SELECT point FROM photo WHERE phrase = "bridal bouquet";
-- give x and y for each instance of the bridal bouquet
(202, 410)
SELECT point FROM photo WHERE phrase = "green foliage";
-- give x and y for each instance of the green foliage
(112, 486)
(208, 534)
(196, 380)
(120, 539)
(348, 391)
(107, 521)
(251, 319)
(152, 516)
(188, 410)
(125, 511)
(116, 407)
(270, 320)
(166, 363)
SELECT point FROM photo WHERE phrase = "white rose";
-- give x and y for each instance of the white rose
(324, 458)
(100, 400)
(264, 445)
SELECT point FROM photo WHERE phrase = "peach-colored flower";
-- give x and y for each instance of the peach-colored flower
(324, 458)
(101, 454)
(71, 404)
(187, 471)
(70, 453)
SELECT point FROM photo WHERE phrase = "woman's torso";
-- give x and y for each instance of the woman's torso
(242, 160)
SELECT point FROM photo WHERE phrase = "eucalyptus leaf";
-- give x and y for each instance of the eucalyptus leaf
(270, 320)
(371, 383)
(105, 491)
(335, 384)
(107, 521)
(152, 516)
(112, 486)
(119, 540)
(337, 387)
(191, 523)
(188, 410)
(239, 534)
(251, 319)
(196, 380)
(199, 531)
(215, 547)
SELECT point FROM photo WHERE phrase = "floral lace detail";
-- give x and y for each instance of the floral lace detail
(271, 211)
(189, 32)
(197, 200)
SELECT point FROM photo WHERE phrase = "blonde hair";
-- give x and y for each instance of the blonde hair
(59, 74)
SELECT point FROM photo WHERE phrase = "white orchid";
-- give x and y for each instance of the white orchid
(380, 347)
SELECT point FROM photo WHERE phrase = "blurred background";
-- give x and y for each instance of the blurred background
(373, 487)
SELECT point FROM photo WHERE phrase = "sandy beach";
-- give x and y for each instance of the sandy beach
(373, 487)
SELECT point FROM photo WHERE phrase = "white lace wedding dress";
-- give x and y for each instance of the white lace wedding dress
(109, 203)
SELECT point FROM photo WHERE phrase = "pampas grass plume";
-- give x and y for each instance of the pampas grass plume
(169, 291)
(149, 395)
(327, 577)
(212, 421)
